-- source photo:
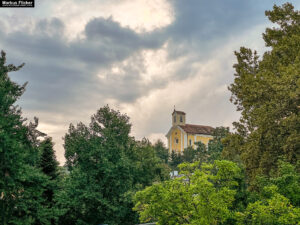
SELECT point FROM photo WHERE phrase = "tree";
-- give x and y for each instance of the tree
(275, 209)
(149, 167)
(48, 162)
(100, 185)
(189, 154)
(215, 146)
(266, 92)
(202, 154)
(287, 181)
(49, 166)
(203, 195)
(21, 183)
(176, 159)
(161, 151)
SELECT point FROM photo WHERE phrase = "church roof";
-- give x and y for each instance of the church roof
(197, 129)
(178, 112)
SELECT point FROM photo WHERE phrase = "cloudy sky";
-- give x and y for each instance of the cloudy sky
(141, 57)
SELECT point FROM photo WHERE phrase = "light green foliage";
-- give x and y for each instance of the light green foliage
(266, 92)
(276, 209)
(21, 183)
(287, 181)
(203, 195)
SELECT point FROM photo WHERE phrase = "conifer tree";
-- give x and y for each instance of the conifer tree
(48, 162)
(21, 183)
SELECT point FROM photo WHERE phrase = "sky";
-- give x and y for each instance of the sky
(140, 57)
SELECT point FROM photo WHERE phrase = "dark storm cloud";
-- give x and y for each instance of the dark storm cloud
(202, 26)
(59, 71)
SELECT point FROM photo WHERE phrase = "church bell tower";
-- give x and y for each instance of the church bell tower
(178, 118)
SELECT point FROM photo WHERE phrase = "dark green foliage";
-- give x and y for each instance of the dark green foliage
(215, 146)
(48, 162)
(266, 92)
(106, 167)
(161, 151)
(149, 167)
(175, 160)
(49, 167)
(189, 154)
(202, 154)
(21, 183)
(101, 181)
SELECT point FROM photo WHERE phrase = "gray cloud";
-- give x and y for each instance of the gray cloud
(64, 75)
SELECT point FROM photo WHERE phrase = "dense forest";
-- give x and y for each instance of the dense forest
(249, 176)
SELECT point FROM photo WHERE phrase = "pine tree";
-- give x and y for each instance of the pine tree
(21, 183)
(48, 162)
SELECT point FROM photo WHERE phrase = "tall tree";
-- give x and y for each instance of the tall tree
(49, 166)
(48, 162)
(266, 91)
(101, 183)
(21, 183)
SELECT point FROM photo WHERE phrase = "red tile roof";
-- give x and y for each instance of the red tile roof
(197, 129)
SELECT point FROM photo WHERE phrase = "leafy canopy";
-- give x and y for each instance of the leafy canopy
(266, 92)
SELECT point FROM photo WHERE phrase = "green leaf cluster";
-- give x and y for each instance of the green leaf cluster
(202, 195)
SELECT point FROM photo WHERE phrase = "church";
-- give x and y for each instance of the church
(181, 135)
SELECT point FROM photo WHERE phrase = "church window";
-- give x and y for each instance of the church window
(190, 142)
(181, 120)
(174, 119)
(176, 140)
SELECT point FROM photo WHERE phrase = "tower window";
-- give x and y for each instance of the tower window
(174, 119)
(181, 120)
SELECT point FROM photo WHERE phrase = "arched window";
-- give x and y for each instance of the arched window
(174, 118)
(176, 140)
(190, 142)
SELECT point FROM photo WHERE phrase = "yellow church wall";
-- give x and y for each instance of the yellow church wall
(191, 138)
(203, 139)
(177, 134)
(183, 137)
